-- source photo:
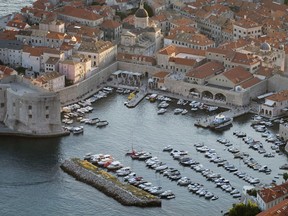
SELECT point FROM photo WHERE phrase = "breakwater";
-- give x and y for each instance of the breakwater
(127, 195)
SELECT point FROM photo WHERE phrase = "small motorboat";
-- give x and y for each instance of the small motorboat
(168, 148)
(161, 111)
(184, 181)
(178, 111)
(184, 112)
(168, 194)
(114, 165)
(78, 130)
(123, 171)
(214, 197)
(102, 123)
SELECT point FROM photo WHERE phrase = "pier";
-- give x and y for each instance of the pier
(125, 194)
(232, 113)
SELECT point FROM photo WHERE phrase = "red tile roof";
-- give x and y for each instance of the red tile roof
(278, 97)
(79, 13)
(206, 70)
(280, 209)
(237, 75)
(161, 74)
(251, 82)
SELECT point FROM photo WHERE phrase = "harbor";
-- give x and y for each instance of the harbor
(144, 130)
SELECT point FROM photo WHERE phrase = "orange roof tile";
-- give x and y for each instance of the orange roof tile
(206, 70)
(161, 74)
(281, 209)
(251, 82)
(278, 97)
(237, 75)
(79, 13)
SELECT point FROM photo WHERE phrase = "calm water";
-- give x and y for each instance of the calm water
(31, 182)
(10, 6)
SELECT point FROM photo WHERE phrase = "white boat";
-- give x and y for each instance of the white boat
(184, 112)
(114, 165)
(167, 195)
(102, 123)
(163, 104)
(178, 111)
(123, 171)
(161, 111)
(184, 181)
(194, 109)
(78, 130)
(180, 101)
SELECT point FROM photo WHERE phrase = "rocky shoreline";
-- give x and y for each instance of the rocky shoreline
(125, 194)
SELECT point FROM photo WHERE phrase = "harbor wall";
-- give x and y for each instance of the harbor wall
(110, 188)
(86, 87)
(277, 83)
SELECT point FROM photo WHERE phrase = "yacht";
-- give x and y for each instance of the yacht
(114, 165)
(178, 111)
(102, 123)
(161, 111)
(184, 112)
(78, 130)
(167, 195)
(220, 122)
(123, 171)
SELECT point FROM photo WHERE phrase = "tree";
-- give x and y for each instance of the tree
(285, 176)
(148, 9)
(20, 70)
(241, 209)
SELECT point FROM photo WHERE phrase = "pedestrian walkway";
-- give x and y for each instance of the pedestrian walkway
(136, 100)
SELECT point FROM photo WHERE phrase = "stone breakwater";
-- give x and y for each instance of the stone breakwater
(125, 194)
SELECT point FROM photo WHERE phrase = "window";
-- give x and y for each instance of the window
(47, 116)
(29, 107)
(30, 116)
(47, 107)
(2, 105)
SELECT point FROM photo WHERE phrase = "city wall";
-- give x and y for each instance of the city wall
(277, 83)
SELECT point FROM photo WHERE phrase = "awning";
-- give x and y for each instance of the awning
(269, 103)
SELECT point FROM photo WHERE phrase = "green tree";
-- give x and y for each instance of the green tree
(20, 70)
(241, 209)
(286, 2)
(285, 176)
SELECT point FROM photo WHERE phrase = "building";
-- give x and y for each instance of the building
(179, 59)
(275, 105)
(112, 30)
(201, 74)
(51, 81)
(79, 15)
(6, 71)
(243, 28)
(75, 70)
(136, 59)
(28, 110)
(280, 209)
(101, 53)
(157, 80)
(11, 52)
(270, 197)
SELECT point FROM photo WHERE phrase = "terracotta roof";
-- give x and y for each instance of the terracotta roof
(48, 76)
(281, 209)
(243, 59)
(169, 50)
(110, 24)
(172, 49)
(196, 39)
(38, 51)
(135, 57)
(182, 61)
(17, 24)
(278, 97)
(251, 82)
(161, 74)
(8, 35)
(264, 71)
(246, 23)
(206, 70)
(79, 13)
(55, 35)
(217, 50)
(237, 75)
(6, 70)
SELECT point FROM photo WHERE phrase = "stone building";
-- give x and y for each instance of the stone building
(28, 110)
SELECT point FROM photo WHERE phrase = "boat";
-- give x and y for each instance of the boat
(161, 111)
(168, 194)
(163, 104)
(124, 171)
(92, 121)
(108, 89)
(78, 130)
(131, 96)
(209, 195)
(221, 122)
(184, 112)
(102, 123)
(152, 97)
(178, 111)
(114, 165)
(184, 181)
(168, 148)
(214, 198)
